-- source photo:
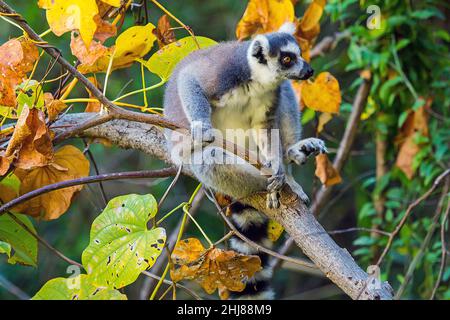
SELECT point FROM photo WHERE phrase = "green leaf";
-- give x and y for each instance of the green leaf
(5, 248)
(76, 288)
(22, 242)
(30, 93)
(121, 246)
(164, 60)
(11, 181)
(307, 115)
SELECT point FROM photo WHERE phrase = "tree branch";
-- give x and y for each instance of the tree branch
(336, 263)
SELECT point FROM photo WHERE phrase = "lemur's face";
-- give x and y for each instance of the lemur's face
(278, 56)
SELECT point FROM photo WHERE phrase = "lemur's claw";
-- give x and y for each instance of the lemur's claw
(303, 149)
(272, 201)
(275, 182)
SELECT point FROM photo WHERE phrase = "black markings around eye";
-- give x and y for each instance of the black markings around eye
(287, 59)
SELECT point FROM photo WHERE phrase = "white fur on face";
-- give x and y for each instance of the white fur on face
(265, 74)
(288, 27)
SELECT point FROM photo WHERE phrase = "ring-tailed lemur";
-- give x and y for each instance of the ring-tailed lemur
(242, 85)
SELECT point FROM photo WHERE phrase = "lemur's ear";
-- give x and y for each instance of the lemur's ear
(288, 27)
(259, 49)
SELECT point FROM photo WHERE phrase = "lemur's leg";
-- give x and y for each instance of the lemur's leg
(266, 134)
(226, 173)
(196, 107)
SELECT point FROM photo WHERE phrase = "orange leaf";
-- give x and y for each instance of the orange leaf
(17, 57)
(93, 106)
(263, 16)
(323, 94)
(5, 162)
(163, 33)
(87, 56)
(213, 268)
(309, 27)
(104, 29)
(53, 106)
(30, 143)
(417, 122)
(69, 163)
(325, 171)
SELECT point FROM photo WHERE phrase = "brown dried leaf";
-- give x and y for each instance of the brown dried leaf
(163, 33)
(416, 123)
(105, 30)
(325, 171)
(263, 16)
(17, 57)
(54, 107)
(213, 268)
(69, 163)
(30, 144)
(88, 56)
(5, 162)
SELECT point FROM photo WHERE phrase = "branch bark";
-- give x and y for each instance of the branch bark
(336, 263)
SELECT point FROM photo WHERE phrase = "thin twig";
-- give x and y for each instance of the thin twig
(43, 242)
(443, 253)
(408, 212)
(162, 173)
(256, 245)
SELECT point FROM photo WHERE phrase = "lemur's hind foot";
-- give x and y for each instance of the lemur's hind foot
(305, 148)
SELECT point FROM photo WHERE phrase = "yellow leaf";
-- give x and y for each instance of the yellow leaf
(114, 3)
(274, 230)
(133, 43)
(325, 171)
(309, 24)
(263, 16)
(69, 163)
(323, 94)
(324, 118)
(212, 268)
(69, 15)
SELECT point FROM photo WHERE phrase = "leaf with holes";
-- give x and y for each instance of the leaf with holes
(164, 60)
(76, 288)
(121, 246)
(24, 245)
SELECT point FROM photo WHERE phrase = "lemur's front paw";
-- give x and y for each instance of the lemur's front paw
(274, 185)
(202, 136)
(303, 149)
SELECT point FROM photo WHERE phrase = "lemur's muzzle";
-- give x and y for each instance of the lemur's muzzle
(306, 73)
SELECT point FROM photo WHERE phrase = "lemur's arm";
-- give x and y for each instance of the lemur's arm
(195, 105)
(295, 149)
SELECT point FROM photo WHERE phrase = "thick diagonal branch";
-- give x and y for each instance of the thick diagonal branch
(336, 263)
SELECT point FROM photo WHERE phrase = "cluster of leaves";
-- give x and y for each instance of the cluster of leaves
(406, 56)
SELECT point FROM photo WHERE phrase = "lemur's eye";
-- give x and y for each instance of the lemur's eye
(286, 60)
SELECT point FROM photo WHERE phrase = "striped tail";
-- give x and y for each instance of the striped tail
(253, 225)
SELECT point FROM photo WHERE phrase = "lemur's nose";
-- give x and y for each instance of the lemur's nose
(307, 72)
